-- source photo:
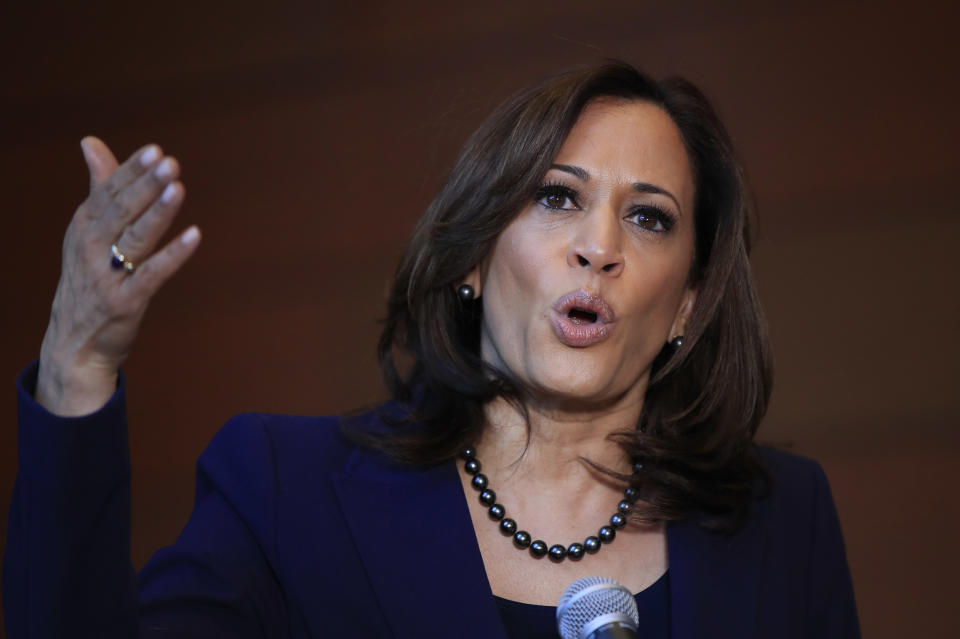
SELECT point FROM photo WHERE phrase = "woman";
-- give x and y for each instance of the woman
(575, 321)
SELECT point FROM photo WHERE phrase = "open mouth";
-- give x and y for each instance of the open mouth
(581, 319)
(581, 316)
(580, 307)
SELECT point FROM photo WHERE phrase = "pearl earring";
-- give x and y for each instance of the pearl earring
(466, 293)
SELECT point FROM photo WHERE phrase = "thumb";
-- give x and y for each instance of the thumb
(100, 160)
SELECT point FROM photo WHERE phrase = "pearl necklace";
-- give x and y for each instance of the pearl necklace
(538, 548)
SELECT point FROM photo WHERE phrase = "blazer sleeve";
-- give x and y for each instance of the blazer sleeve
(67, 570)
(832, 607)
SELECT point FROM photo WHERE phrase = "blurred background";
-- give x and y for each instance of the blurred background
(312, 135)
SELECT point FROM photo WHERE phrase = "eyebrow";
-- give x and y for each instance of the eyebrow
(641, 187)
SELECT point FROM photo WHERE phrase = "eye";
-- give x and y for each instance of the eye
(652, 218)
(557, 197)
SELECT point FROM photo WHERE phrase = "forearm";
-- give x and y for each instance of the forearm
(68, 540)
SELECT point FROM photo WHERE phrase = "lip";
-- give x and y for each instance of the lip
(576, 332)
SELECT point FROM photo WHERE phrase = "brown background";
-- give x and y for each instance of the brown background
(311, 136)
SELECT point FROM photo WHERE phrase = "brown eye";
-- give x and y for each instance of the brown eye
(647, 222)
(555, 201)
(652, 219)
(557, 197)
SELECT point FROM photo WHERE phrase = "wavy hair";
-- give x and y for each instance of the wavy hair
(704, 400)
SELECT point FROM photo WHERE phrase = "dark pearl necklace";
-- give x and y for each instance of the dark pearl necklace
(538, 548)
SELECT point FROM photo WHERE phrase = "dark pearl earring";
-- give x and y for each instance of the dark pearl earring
(466, 293)
(677, 341)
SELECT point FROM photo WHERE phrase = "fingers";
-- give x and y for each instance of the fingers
(151, 275)
(133, 205)
(136, 165)
(130, 202)
(100, 160)
(107, 179)
(139, 238)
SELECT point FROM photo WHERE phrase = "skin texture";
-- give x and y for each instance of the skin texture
(594, 241)
(595, 244)
(97, 310)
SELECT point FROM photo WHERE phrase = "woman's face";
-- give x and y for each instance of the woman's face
(589, 281)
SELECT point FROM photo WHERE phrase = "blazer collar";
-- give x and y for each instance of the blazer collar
(413, 531)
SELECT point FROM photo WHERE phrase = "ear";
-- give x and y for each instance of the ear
(684, 313)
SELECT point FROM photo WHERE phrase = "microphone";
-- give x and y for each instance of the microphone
(597, 608)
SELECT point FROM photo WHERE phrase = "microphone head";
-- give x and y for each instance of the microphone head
(594, 602)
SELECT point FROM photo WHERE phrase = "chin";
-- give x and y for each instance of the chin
(574, 378)
(578, 384)
(577, 400)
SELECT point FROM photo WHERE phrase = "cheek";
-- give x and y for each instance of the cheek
(512, 294)
(658, 301)
(509, 278)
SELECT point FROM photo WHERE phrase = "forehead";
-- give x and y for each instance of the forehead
(627, 141)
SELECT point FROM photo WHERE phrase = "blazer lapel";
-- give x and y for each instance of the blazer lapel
(413, 531)
(713, 581)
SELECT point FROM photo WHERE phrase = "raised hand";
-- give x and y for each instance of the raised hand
(110, 272)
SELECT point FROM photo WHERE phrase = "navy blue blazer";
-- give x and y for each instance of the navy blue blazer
(296, 532)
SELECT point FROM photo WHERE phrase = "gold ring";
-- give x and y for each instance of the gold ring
(118, 261)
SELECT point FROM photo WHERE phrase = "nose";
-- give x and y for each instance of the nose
(597, 244)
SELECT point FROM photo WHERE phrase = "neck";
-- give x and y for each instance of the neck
(559, 440)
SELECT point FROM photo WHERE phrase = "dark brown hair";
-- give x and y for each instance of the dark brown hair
(705, 399)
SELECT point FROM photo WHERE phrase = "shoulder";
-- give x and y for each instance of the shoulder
(792, 475)
(251, 439)
(790, 494)
(293, 480)
(797, 482)
(265, 465)
(798, 513)
(255, 451)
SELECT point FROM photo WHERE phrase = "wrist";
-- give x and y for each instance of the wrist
(71, 386)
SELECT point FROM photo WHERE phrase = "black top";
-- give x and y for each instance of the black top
(528, 621)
